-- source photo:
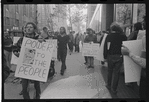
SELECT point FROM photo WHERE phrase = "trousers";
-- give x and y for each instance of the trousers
(114, 67)
(142, 87)
(63, 54)
(25, 83)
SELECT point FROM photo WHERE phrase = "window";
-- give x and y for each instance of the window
(17, 22)
(7, 21)
(17, 8)
(30, 11)
(24, 9)
(7, 7)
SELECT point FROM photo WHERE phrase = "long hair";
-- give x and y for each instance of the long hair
(64, 29)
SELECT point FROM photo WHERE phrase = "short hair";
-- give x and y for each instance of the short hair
(88, 29)
(45, 28)
(138, 26)
(116, 27)
(34, 25)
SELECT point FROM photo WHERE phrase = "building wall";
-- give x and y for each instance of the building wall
(17, 15)
(90, 11)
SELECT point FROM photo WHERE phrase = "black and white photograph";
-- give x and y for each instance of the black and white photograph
(100, 51)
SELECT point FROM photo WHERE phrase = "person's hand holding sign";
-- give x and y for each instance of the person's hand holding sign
(125, 50)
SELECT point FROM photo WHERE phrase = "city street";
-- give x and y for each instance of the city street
(89, 82)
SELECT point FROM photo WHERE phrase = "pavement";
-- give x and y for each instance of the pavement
(77, 82)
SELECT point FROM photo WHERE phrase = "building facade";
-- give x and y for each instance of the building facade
(44, 12)
(46, 17)
(90, 11)
(105, 14)
(17, 15)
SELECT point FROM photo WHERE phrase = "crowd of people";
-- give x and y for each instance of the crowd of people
(113, 51)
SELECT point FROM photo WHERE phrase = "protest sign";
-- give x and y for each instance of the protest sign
(14, 59)
(54, 54)
(34, 60)
(132, 70)
(101, 49)
(90, 49)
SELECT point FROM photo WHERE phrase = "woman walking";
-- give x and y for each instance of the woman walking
(63, 40)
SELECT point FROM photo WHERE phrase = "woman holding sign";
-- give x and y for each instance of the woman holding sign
(30, 33)
(90, 38)
(63, 40)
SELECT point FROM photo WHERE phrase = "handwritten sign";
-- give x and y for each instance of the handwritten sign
(90, 49)
(101, 49)
(132, 70)
(54, 54)
(14, 59)
(34, 60)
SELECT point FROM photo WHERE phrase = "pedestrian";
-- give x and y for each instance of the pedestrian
(85, 57)
(113, 55)
(30, 33)
(46, 36)
(63, 40)
(90, 38)
(6, 69)
(100, 36)
(74, 35)
(8, 44)
(70, 43)
(141, 61)
(77, 41)
(133, 35)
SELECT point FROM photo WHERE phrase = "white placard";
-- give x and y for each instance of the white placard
(101, 49)
(14, 59)
(54, 55)
(132, 70)
(34, 60)
(90, 49)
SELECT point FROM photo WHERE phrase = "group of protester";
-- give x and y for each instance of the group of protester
(113, 52)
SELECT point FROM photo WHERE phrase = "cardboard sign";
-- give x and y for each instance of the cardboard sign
(14, 59)
(34, 60)
(54, 54)
(101, 49)
(132, 70)
(90, 49)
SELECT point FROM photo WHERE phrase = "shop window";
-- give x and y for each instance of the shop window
(7, 21)
(17, 22)
(24, 9)
(141, 12)
(7, 7)
(17, 8)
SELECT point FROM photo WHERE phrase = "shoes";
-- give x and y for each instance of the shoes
(89, 67)
(92, 66)
(102, 62)
(108, 87)
(114, 92)
(85, 63)
(11, 71)
(62, 73)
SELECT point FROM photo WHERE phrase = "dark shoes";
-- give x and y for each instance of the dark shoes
(11, 71)
(85, 63)
(90, 67)
(109, 88)
(102, 62)
(114, 92)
